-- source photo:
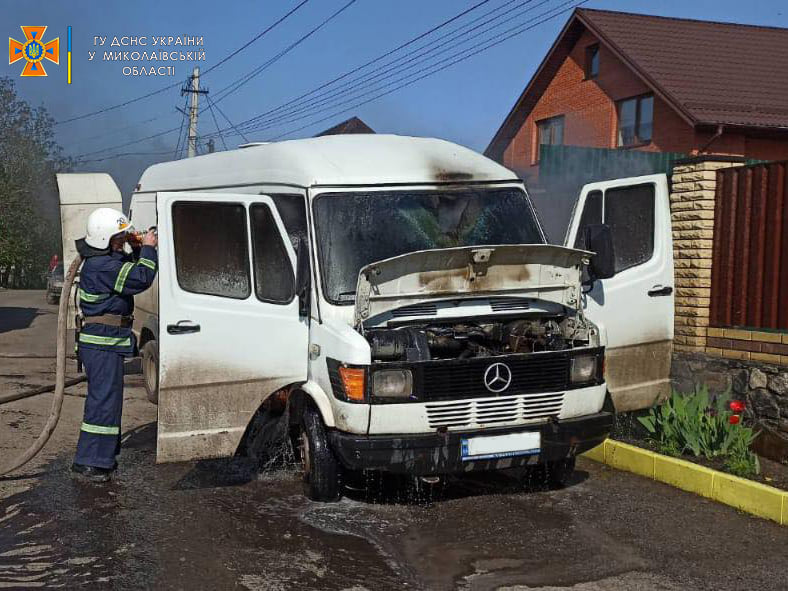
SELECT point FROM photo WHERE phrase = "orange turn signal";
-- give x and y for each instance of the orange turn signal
(353, 380)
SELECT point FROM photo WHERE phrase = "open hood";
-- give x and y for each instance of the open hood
(540, 271)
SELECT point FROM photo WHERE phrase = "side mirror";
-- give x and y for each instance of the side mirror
(303, 278)
(599, 240)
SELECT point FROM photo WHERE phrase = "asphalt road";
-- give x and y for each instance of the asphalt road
(224, 525)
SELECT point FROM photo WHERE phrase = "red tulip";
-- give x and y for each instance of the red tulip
(734, 419)
(737, 405)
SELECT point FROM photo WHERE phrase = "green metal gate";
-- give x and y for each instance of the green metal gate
(575, 164)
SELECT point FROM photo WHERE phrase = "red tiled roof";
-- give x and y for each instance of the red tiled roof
(712, 73)
(718, 73)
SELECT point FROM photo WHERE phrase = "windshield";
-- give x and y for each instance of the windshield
(355, 229)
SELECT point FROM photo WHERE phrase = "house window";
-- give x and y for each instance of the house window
(635, 120)
(549, 132)
(592, 61)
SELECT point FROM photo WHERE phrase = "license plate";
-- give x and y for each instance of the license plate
(501, 446)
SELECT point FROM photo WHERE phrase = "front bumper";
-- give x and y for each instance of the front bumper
(440, 453)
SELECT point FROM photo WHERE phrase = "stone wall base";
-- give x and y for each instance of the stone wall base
(763, 386)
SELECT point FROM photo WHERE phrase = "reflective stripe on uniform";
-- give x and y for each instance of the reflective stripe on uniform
(147, 263)
(100, 429)
(93, 339)
(92, 298)
(122, 275)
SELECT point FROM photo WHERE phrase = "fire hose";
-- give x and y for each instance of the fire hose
(60, 377)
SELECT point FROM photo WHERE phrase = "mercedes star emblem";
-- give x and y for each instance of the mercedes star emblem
(498, 377)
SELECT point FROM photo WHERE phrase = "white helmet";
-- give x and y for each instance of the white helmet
(103, 224)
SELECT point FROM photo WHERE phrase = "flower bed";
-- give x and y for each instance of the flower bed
(703, 429)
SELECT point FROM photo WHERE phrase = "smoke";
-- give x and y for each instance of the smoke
(563, 170)
(127, 167)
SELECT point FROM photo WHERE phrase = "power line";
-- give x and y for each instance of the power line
(239, 82)
(239, 131)
(130, 143)
(216, 123)
(384, 72)
(183, 119)
(380, 57)
(408, 79)
(234, 86)
(115, 131)
(170, 86)
(125, 154)
(444, 67)
(210, 102)
(372, 61)
(256, 37)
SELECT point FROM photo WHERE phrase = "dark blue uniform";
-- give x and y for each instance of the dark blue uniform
(107, 284)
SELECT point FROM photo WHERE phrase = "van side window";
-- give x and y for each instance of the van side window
(211, 248)
(592, 214)
(292, 210)
(273, 272)
(629, 211)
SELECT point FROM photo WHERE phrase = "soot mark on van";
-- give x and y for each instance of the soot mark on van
(465, 279)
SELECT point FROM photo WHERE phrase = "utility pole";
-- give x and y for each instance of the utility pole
(194, 104)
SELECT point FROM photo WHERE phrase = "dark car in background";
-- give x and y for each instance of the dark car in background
(55, 284)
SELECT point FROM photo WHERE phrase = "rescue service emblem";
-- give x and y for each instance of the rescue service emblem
(34, 51)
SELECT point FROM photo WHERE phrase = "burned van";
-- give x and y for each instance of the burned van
(396, 301)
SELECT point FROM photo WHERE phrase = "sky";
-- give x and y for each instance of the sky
(464, 103)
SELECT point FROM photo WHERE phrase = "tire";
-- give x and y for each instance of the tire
(322, 472)
(150, 370)
(52, 298)
(560, 472)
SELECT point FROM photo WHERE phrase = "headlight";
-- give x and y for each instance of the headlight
(392, 383)
(583, 369)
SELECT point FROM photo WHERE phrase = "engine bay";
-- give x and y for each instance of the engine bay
(463, 339)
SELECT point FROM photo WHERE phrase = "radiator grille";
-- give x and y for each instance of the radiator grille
(481, 412)
(461, 379)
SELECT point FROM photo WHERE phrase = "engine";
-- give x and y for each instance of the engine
(463, 340)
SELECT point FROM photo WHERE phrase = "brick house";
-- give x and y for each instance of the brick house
(639, 82)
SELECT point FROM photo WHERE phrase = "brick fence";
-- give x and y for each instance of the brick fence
(735, 343)
(751, 361)
(692, 201)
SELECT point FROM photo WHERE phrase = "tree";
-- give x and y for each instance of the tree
(29, 215)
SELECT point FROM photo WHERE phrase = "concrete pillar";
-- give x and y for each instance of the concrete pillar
(694, 184)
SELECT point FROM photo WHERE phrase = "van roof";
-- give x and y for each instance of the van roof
(330, 160)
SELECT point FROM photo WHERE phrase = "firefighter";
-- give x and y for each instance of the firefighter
(108, 281)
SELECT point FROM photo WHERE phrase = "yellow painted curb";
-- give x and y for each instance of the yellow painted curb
(746, 495)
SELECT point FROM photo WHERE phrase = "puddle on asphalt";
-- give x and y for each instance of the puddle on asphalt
(222, 523)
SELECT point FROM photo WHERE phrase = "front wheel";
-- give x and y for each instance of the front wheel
(150, 370)
(322, 472)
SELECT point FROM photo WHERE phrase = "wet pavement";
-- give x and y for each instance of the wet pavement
(221, 525)
(224, 525)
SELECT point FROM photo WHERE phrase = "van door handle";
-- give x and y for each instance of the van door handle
(658, 290)
(183, 327)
